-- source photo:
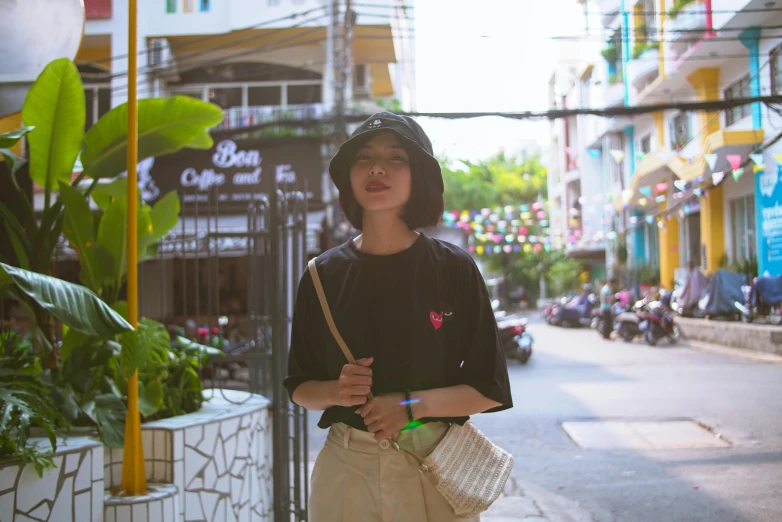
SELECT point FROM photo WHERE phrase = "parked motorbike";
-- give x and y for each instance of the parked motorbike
(548, 310)
(617, 309)
(762, 298)
(516, 340)
(627, 324)
(577, 312)
(657, 323)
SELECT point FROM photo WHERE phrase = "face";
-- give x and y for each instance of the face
(380, 175)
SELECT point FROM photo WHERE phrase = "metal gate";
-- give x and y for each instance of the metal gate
(270, 243)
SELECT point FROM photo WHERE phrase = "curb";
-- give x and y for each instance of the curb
(523, 501)
(750, 355)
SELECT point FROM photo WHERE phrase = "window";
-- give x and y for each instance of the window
(738, 90)
(264, 96)
(361, 81)
(616, 142)
(304, 94)
(586, 83)
(742, 213)
(187, 6)
(98, 102)
(650, 8)
(226, 97)
(274, 2)
(205, 5)
(680, 131)
(776, 70)
(646, 144)
(171, 6)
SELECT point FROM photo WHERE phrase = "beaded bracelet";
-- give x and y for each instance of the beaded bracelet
(408, 403)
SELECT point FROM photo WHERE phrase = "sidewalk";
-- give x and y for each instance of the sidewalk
(530, 503)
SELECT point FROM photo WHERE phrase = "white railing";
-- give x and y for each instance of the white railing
(237, 117)
(682, 31)
(644, 68)
(614, 95)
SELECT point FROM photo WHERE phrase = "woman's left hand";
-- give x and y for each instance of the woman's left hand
(385, 415)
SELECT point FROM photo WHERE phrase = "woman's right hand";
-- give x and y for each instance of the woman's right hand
(355, 383)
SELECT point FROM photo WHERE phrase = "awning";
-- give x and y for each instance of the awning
(723, 143)
(660, 166)
(728, 142)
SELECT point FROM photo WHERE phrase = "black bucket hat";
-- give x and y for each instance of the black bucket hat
(410, 134)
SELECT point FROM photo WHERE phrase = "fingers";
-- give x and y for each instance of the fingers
(365, 362)
(354, 400)
(352, 369)
(365, 409)
(355, 380)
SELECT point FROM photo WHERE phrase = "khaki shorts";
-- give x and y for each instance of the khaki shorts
(358, 479)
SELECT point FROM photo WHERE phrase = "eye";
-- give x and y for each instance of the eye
(361, 156)
(398, 157)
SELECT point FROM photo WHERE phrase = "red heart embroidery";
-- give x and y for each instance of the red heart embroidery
(437, 320)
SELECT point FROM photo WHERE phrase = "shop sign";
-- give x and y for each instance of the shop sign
(233, 173)
(768, 195)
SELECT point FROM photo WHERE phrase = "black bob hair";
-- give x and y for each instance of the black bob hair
(423, 210)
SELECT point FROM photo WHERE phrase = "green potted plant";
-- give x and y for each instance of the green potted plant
(87, 370)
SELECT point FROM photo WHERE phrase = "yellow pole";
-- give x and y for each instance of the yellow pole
(706, 84)
(134, 480)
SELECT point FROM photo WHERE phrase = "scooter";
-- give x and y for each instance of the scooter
(627, 325)
(657, 323)
(516, 340)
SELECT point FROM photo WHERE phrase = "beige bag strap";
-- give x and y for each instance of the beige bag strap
(324, 304)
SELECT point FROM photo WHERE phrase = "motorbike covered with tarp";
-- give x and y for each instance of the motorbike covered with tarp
(763, 299)
(686, 303)
(768, 290)
(721, 295)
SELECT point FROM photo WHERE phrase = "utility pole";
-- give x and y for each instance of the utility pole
(344, 73)
(337, 93)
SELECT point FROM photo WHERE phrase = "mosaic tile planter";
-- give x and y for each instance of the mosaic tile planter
(219, 458)
(160, 504)
(71, 492)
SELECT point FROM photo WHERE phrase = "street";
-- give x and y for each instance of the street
(576, 376)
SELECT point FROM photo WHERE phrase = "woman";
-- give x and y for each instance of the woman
(416, 315)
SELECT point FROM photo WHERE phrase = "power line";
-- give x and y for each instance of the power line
(230, 44)
(699, 12)
(258, 49)
(254, 50)
(528, 115)
(381, 6)
(654, 39)
(200, 39)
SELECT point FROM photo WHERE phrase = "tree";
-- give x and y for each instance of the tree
(497, 181)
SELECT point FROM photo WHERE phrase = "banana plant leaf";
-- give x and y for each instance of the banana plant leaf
(74, 305)
(55, 106)
(165, 125)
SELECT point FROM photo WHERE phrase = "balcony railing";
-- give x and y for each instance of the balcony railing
(644, 68)
(682, 30)
(614, 94)
(236, 117)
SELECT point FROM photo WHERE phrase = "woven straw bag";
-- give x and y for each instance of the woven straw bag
(465, 466)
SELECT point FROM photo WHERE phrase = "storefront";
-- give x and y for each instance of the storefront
(217, 259)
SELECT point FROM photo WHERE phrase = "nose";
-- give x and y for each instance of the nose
(377, 169)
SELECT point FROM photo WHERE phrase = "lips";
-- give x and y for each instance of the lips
(373, 187)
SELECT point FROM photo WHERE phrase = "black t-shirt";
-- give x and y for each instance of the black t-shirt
(424, 314)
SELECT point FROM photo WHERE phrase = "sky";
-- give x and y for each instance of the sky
(493, 55)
